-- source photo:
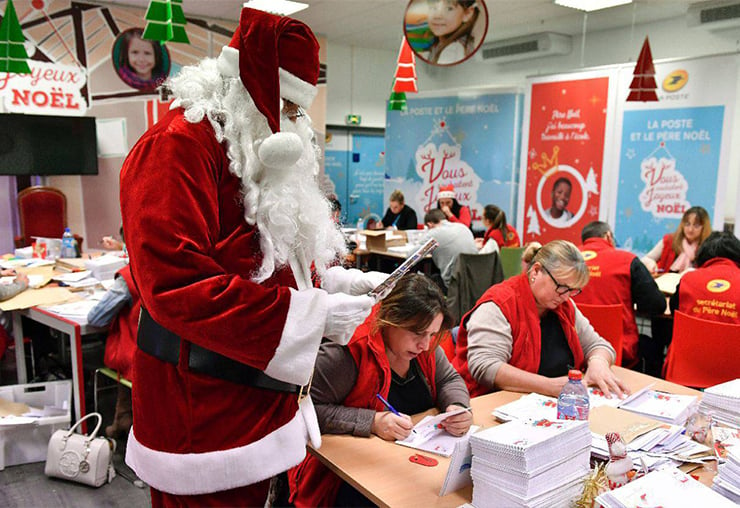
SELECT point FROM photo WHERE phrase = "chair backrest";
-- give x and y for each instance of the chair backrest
(472, 274)
(511, 260)
(702, 353)
(42, 212)
(607, 321)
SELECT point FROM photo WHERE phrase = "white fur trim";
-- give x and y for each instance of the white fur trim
(296, 90)
(296, 354)
(446, 194)
(203, 473)
(280, 150)
(228, 62)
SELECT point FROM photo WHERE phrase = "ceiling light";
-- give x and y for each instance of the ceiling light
(591, 5)
(280, 7)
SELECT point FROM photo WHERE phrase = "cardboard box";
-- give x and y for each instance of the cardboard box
(21, 444)
(382, 239)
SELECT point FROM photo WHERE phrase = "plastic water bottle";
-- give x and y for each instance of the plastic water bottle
(68, 244)
(573, 399)
(360, 224)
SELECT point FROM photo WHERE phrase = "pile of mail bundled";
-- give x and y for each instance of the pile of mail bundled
(723, 402)
(668, 488)
(530, 463)
(727, 481)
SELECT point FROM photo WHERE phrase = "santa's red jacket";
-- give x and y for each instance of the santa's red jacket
(192, 256)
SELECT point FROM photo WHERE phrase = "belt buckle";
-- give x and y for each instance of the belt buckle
(305, 390)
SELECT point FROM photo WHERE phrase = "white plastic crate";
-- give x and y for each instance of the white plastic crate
(28, 443)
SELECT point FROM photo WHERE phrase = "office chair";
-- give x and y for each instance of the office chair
(43, 213)
(607, 321)
(702, 353)
(472, 274)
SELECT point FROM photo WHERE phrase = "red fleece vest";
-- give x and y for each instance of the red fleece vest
(512, 238)
(712, 292)
(610, 283)
(120, 345)
(667, 257)
(514, 298)
(312, 483)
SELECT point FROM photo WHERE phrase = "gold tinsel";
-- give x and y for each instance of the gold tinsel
(594, 484)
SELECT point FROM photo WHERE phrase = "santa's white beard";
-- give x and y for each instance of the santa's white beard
(290, 211)
(293, 216)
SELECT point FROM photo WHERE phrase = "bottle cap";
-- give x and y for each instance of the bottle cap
(575, 375)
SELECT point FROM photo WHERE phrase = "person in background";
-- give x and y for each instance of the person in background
(453, 238)
(398, 215)
(453, 210)
(336, 209)
(618, 276)
(676, 251)
(716, 281)
(498, 232)
(451, 22)
(119, 308)
(525, 333)
(140, 62)
(558, 211)
(111, 243)
(394, 353)
(7, 291)
(231, 321)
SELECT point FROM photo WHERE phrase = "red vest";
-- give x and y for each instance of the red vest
(515, 299)
(712, 292)
(667, 257)
(120, 345)
(512, 238)
(312, 483)
(611, 283)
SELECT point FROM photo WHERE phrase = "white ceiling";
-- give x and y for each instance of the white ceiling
(379, 23)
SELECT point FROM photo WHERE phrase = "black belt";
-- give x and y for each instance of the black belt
(161, 343)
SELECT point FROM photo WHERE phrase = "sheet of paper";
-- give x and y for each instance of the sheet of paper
(458, 472)
(430, 438)
(667, 282)
(34, 297)
(606, 419)
(72, 276)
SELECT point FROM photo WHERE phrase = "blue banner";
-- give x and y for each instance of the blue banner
(669, 161)
(469, 141)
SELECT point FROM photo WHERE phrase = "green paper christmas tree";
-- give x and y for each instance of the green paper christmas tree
(13, 54)
(397, 101)
(165, 22)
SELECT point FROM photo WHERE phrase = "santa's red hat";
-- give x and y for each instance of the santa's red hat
(274, 57)
(446, 192)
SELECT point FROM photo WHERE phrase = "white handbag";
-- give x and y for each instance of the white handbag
(81, 458)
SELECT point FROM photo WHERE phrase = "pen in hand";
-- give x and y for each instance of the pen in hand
(388, 405)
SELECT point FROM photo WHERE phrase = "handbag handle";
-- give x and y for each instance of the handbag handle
(94, 432)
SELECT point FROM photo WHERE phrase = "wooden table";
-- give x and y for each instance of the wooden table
(381, 470)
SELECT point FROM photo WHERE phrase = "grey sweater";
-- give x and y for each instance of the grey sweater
(336, 374)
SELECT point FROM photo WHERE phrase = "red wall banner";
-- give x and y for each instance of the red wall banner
(564, 158)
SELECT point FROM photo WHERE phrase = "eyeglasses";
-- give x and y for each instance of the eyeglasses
(293, 113)
(562, 289)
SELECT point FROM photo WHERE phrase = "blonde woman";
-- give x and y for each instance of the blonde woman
(676, 252)
(525, 333)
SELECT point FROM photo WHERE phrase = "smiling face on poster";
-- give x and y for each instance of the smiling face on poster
(140, 63)
(445, 32)
(560, 196)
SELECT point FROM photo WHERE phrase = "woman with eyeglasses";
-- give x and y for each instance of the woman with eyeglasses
(525, 333)
(675, 252)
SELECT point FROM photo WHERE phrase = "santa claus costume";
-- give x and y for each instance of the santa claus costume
(223, 220)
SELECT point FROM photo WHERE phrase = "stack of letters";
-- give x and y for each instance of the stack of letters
(727, 482)
(723, 401)
(530, 464)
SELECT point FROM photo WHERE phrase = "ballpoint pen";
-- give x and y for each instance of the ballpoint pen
(388, 405)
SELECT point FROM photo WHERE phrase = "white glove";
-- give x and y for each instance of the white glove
(368, 280)
(345, 314)
(351, 281)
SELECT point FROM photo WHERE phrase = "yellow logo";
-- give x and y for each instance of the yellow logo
(718, 285)
(588, 255)
(676, 80)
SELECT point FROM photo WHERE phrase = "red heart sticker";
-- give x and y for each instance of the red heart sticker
(423, 461)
